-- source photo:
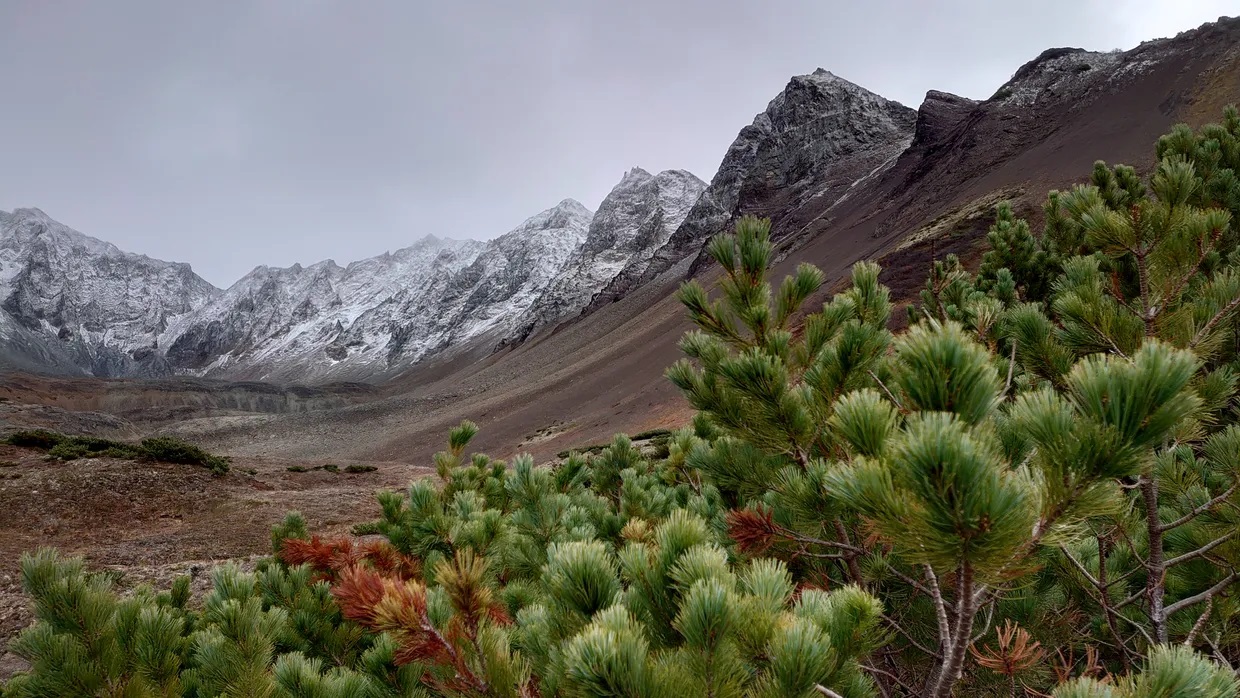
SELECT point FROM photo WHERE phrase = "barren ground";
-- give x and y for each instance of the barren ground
(150, 522)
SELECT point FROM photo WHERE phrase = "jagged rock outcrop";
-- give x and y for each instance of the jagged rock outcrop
(635, 219)
(91, 304)
(938, 115)
(816, 139)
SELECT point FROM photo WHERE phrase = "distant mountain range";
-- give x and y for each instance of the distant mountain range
(75, 305)
(841, 172)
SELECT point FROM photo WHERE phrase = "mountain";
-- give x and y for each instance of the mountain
(77, 305)
(603, 373)
(484, 299)
(99, 309)
(818, 138)
(274, 318)
(634, 220)
(843, 173)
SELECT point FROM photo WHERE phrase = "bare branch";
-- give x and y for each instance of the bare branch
(896, 626)
(883, 385)
(802, 538)
(1080, 567)
(1130, 599)
(990, 616)
(909, 580)
(826, 691)
(1199, 552)
(940, 610)
(1198, 511)
(1201, 623)
(1203, 596)
(888, 674)
(1011, 368)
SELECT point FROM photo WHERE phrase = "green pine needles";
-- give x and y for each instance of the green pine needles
(1030, 491)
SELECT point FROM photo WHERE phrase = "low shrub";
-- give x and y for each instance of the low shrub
(164, 449)
(170, 450)
(355, 469)
(35, 438)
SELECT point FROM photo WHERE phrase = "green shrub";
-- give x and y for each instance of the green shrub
(298, 469)
(164, 449)
(35, 438)
(355, 469)
(171, 450)
(330, 468)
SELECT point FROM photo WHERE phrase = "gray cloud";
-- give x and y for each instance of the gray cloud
(232, 133)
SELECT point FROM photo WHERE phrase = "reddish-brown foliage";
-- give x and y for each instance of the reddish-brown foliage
(329, 557)
(753, 531)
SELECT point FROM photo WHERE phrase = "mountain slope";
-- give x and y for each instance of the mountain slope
(485, 299)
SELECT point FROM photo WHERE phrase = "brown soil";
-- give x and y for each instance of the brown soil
(150, 522)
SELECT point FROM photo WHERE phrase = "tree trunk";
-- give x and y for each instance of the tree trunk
(1156, 567)
(953, 661)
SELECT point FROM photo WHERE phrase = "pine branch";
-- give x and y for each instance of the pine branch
(1198, 510)
(1205, 330)
(1192, 270)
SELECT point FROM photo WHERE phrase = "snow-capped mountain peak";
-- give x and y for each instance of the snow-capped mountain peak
(123, 314)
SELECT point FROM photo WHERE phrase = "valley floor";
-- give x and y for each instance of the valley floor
(150, 522)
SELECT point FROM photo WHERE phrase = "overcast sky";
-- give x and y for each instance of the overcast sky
(230, 134)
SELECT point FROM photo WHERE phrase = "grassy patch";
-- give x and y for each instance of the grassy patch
(162, 449)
